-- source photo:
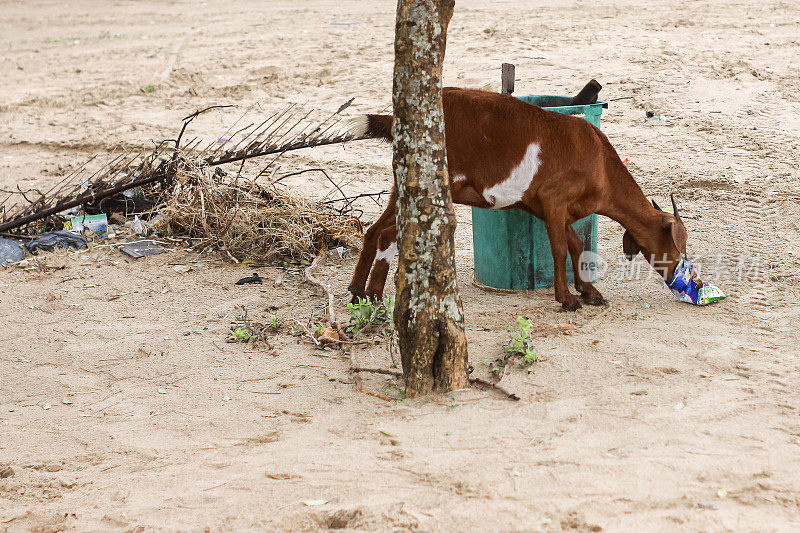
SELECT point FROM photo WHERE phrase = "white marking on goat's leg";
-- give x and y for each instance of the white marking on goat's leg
(387, 254)
(510, 190)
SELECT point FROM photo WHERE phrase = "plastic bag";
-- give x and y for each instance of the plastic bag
(689, 288)
(56, 239)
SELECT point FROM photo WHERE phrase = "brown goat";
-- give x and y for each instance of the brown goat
(503, 153)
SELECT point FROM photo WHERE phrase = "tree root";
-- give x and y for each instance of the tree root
(355, 369)
(494, 386)
(475, 381)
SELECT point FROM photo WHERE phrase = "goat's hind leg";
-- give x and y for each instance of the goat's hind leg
(369, 249)
(387, 249)
(589, 294)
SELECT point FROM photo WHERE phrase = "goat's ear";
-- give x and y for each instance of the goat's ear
(656, 205)
(679, 235)
(677, 232)
(629, 246)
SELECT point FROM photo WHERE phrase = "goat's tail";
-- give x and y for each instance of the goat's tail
(372, 127)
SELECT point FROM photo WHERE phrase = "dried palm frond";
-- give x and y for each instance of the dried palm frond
(279, 133)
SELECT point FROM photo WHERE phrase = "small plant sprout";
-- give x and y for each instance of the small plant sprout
(274, 322)
(367, 313)
(245, 330)
(521, 343)
(241, 334)
(241, 330)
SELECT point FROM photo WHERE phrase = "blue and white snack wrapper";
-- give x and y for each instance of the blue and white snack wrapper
(688, 287)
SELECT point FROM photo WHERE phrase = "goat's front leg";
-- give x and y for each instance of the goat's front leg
(555, 223)
(589, 294)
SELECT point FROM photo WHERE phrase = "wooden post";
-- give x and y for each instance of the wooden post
(507, 78)
(588, 94)
(428, 310)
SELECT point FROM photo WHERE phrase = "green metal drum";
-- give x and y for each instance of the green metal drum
(510, 247)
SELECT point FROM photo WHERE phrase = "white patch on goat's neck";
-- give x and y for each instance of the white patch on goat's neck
(458, 177)
(510, 190)
(387, 254)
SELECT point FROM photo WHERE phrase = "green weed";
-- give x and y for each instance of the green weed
(367, 313)
(241, 334)
(274, 322)
(521, 343)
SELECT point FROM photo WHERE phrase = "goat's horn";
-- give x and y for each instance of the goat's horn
(674, 207)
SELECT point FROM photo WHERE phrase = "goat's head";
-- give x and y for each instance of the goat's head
(665, 243)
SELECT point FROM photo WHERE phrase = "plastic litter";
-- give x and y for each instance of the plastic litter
(138, 226)
(688, 287)
(137, 249)
(255, 278)
(339, 250)
(10, 251)
(56, 239)
(97, 224)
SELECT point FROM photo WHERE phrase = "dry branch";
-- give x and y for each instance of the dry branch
(278, 134)
(494, 386)
(323, 252)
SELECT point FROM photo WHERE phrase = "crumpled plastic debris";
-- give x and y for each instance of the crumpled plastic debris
(340, 250)
(56, 239)
(138, 226)
(10, 251)
(689, 288)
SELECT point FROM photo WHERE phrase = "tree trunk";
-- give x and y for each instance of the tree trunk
(428, 310)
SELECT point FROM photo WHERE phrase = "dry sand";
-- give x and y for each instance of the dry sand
(170, 428)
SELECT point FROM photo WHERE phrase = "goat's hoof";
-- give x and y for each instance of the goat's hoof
(571, 304)
(593, 299)
(357, 296)
(374, 297)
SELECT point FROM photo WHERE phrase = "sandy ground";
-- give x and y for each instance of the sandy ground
(170, 428)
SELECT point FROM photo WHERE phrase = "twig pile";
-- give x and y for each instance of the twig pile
(248, 221)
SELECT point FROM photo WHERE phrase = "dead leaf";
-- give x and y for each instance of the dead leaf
(281, 476)
(328, 335)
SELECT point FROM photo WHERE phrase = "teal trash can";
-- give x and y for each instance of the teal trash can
(510, 246)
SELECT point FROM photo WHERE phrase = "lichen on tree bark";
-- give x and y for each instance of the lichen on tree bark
(428, 310)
